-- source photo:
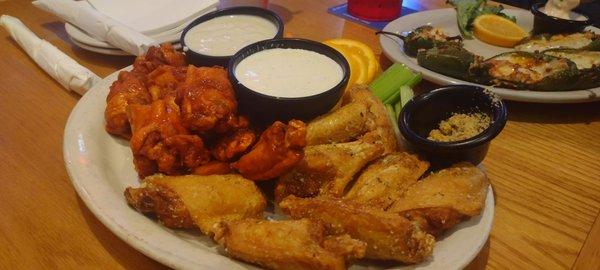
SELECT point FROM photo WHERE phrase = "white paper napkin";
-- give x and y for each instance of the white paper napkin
(61, 67)
(98, 25)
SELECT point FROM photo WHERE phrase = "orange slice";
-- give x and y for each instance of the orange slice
(363, 51)
(497, 30)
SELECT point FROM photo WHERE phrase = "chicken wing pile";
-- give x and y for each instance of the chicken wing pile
(345, 183)
(183, 119)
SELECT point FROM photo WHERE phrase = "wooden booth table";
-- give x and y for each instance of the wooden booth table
(544, 166)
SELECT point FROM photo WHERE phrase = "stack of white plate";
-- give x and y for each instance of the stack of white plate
(163, 20)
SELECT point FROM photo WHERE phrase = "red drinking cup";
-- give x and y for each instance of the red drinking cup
(375, 10)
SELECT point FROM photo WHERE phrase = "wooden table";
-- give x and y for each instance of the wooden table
(544, 167)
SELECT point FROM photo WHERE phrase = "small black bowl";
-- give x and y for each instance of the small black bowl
(203, 60)
(424, 113)
(546, 24)
(266, 108)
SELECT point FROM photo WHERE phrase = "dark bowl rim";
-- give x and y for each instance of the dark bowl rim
(535, 9)
(241, 55)
(500, 115)
(265, 13)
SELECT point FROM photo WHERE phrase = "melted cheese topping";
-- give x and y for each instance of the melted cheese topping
(583, 59)
(524, 69)
(573, 41)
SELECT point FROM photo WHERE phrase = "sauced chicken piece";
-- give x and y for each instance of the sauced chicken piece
(383, 182)
(445, 198)
(197, 201)
(160, 143)
(279, 148)
(157, 56)
(208, 102)
(128, 89)
(163, 81)
(388, 236)
(342, 125)
(234, 144)
(326, 169)
(287, 244)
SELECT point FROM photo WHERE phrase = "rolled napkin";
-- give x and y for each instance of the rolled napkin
(60, 66)
(98, 25)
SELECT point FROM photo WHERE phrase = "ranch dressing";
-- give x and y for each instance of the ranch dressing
(288, 72)
(225, 35)
(562, 9)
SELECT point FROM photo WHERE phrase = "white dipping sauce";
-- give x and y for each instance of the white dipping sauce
(288, 72)
(225, 35)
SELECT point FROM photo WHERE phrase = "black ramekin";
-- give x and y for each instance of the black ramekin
(424, 113)
(546, 24)
(265, 108)
(203, 60)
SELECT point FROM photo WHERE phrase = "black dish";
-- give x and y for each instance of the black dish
(265, 108)
(202, 60)
(423, 113)
(545, 24)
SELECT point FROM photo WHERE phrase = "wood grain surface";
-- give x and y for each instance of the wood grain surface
(544, 166)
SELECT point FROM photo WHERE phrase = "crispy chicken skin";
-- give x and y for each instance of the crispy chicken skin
(197, 201)
(326, 169)
(156, 56)
(160, 143)
(164, 80)
(444, 198)
(388, 236)
(342, 125)
(384, 181)
(378, 124)
(288, 244)
(279, 148)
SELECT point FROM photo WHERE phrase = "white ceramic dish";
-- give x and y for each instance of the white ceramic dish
(107, 51)
(446, 19)
(84, 38)
(100, 167)
(154, 16)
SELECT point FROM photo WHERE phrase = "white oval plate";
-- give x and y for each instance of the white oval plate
(446, 20)
(84, 38)
(100, 167)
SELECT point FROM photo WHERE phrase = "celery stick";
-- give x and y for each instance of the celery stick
(416, 79)
(391, 79)
(393, 119)
(398, 108)
(393, 98)
(406, 94)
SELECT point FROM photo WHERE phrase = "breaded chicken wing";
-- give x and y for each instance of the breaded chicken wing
(278, 150)
(197, 201)
(444, 198)
(379, 127)
(288, 244)
(326, 169)
(383, 182)
(342, 125)
(388, 236)
(160, 143)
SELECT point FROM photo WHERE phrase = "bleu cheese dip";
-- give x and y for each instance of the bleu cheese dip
(289, 73)
(225, 35)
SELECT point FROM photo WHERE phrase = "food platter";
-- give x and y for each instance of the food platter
(100, 167)
(446, 20)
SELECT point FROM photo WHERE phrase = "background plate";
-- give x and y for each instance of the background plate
(100, 167)
(446, 20)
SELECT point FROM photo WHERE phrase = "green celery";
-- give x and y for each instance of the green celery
(406, 94)
(415, 80)
(393, 98)
(388, 83)
(393, 119)
(398, 108)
